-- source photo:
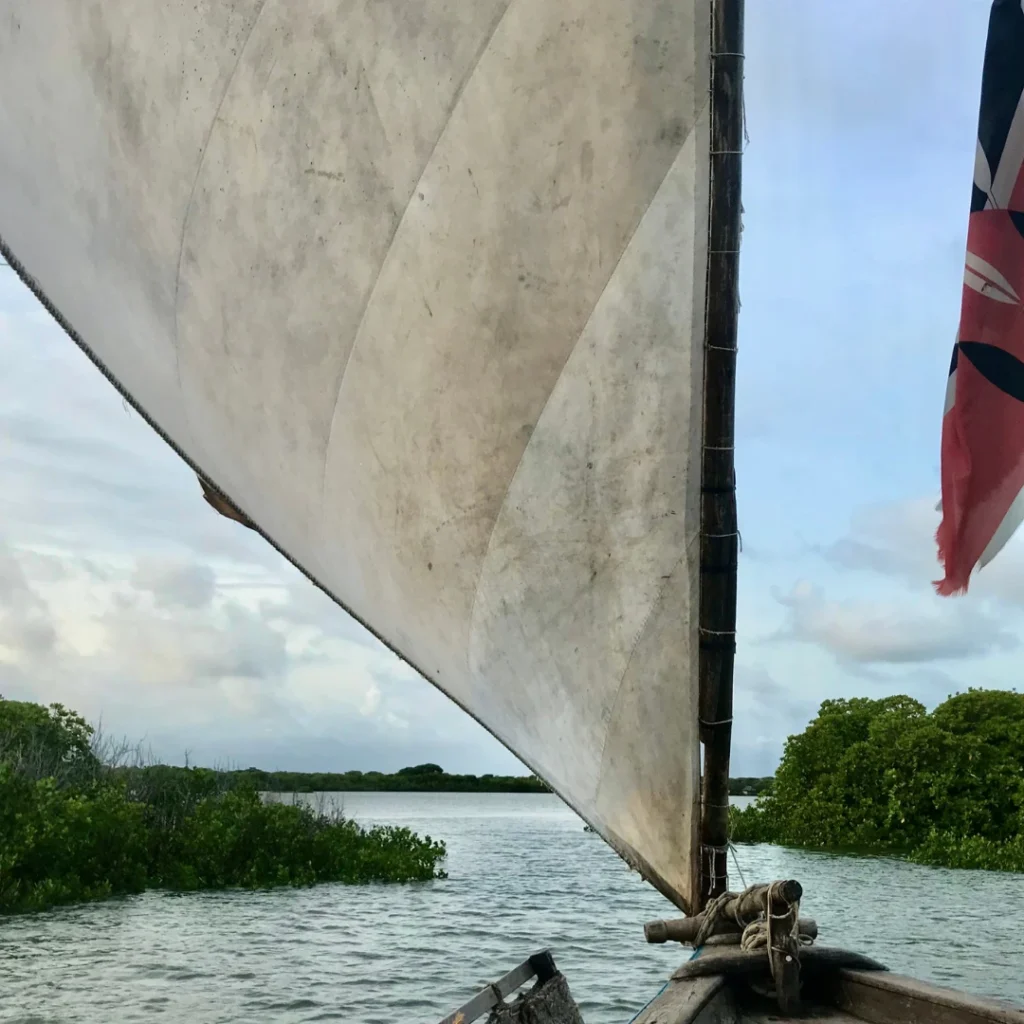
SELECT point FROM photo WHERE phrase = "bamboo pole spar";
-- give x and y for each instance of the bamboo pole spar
(719, 533)
(684, 929)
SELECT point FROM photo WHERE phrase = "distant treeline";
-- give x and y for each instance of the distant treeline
(750, 787)
(421, 778)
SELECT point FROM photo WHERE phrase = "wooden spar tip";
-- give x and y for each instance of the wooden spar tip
(790, 891)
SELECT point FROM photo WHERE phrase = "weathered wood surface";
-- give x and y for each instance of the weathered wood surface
(684, 929)
(703, 1000)
(841, 994)
(732, 962)
(823, 1014)
(884, 998)
(711, 989)
(549, 1002)
(783, 945)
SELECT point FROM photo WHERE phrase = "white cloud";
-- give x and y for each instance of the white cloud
(225, 672)
(173, 584)
(897, 539)
(897, 632)
(26, 632)
(765, 712)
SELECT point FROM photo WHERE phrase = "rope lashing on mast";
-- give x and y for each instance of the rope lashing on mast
(711, 860)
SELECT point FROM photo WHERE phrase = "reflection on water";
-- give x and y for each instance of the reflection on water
(523, 876)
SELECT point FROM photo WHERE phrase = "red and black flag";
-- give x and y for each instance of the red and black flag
(983, 422)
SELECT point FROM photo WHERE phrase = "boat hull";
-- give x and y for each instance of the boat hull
(724, 984)
(723, 990)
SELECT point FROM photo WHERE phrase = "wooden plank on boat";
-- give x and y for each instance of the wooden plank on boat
(547, 1003)
(683, 1002)
(884, 998)
(540, 966)
(822, 1014)
(730, 961)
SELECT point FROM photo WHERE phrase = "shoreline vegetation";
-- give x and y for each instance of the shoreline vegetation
(887, 777)
(423, 778)
(82, 819)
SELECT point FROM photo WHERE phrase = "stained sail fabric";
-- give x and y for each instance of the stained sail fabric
(419, 288)
(983, 423)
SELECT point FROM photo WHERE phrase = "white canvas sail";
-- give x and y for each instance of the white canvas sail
(419, 285)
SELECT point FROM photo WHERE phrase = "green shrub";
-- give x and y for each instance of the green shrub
(87, 831)
(238, 840)
(886, 776)
(64, 844)
(48, 742)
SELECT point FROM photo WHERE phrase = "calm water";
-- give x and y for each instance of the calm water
(523, 876)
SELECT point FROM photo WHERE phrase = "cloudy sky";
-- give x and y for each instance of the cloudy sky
(124, 596)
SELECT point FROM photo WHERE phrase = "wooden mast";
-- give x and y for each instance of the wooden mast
(719, 533)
